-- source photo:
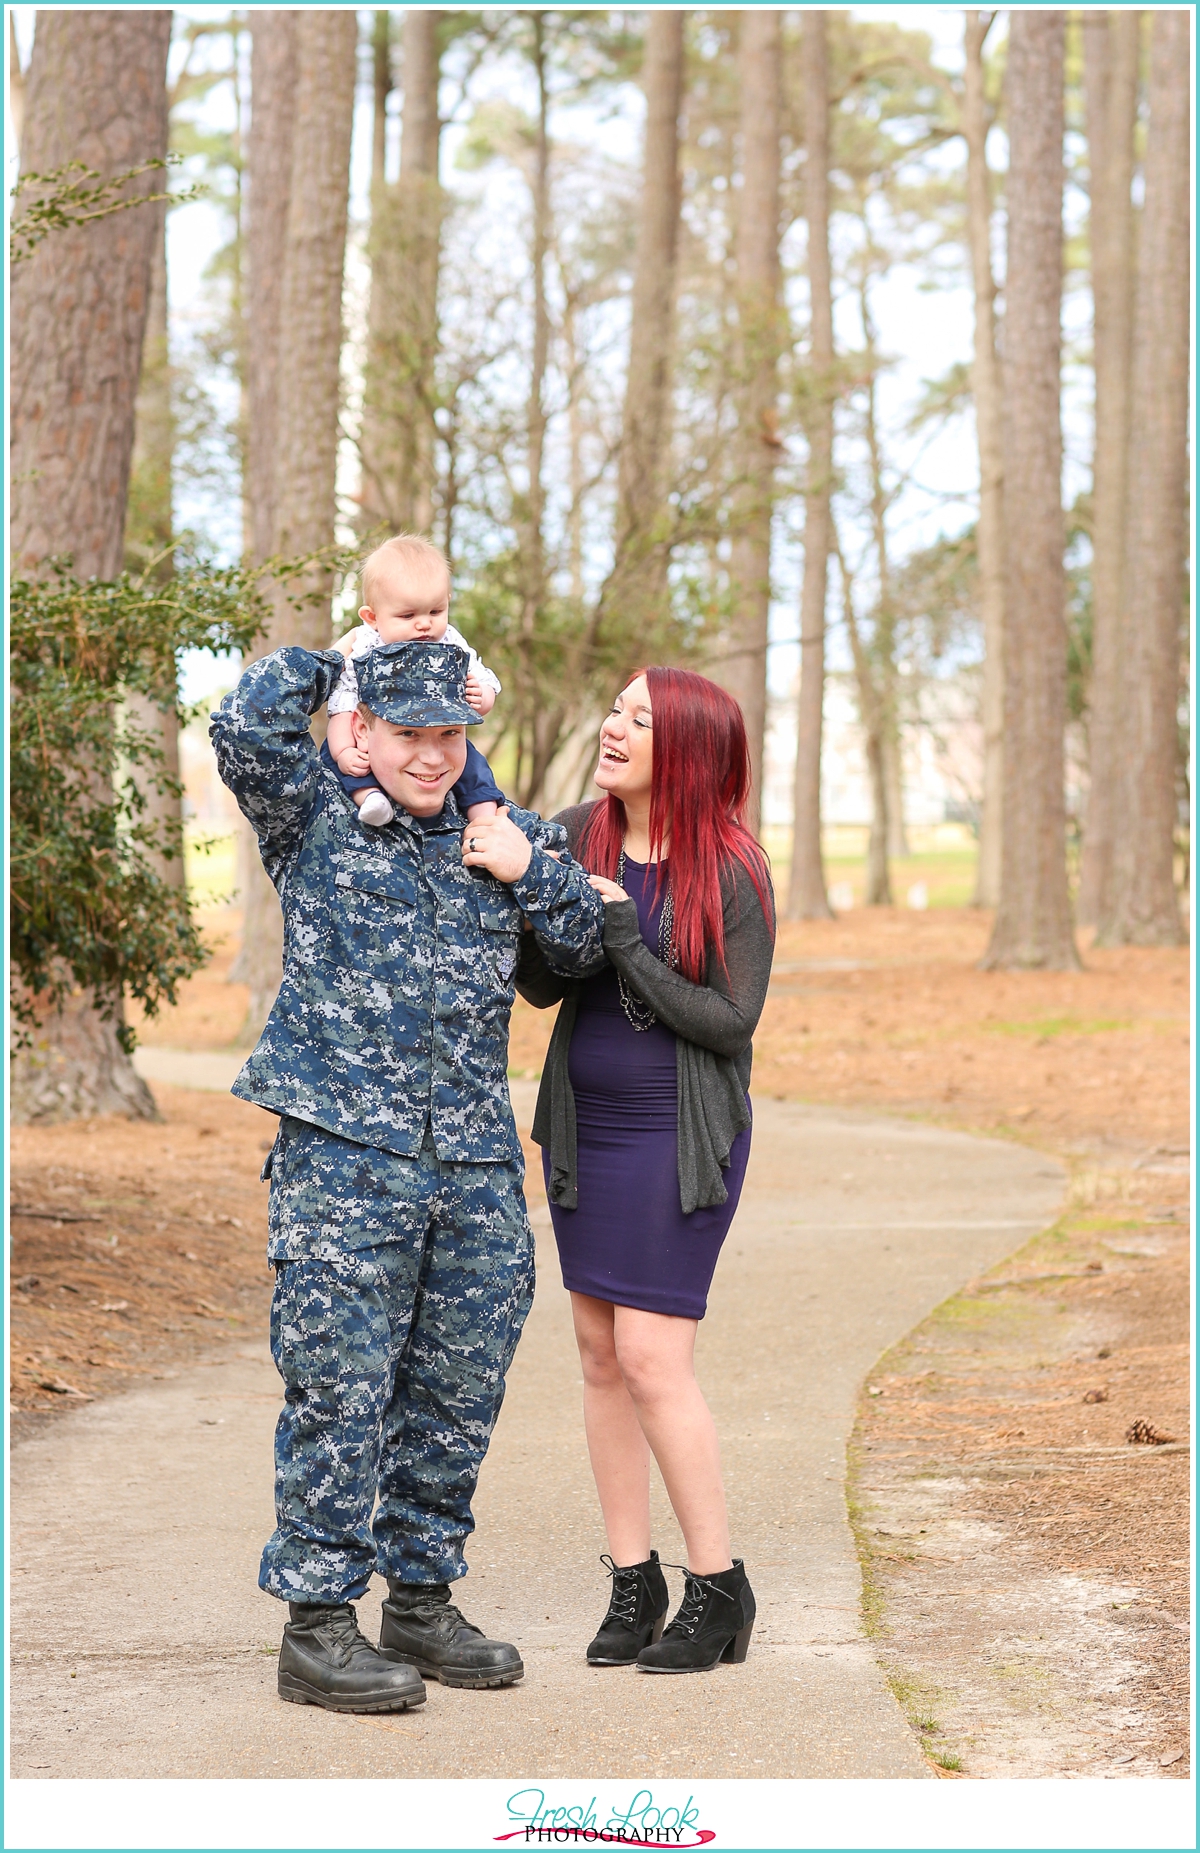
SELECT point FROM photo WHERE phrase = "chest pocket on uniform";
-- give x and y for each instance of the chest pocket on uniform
(378, 904)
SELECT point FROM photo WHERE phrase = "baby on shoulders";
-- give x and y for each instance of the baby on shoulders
(406, 599)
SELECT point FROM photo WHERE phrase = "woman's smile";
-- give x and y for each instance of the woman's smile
(626, 763)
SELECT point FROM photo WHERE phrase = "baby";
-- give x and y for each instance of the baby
(406, 599)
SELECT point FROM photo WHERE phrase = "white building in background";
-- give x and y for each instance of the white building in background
(942, 743)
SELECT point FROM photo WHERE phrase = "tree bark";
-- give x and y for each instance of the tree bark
(887, 814)
(985, 390)
(871, 711)
(149, 531)
(807, 899)
(758, 348)
(1111, 56)
(398, 430)
(300, 502)
(1141, 906)
(16, 84)
(1033, 919)
(638, 581)
(96, 93)
(259, 962)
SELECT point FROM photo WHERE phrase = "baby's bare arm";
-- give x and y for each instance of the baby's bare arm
(346, 756)
(480, 694)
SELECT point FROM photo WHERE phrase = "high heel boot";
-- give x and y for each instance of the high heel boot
(714, 1622)
(637, 1609)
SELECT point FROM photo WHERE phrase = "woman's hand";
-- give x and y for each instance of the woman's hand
(608, 890)
(495, 844)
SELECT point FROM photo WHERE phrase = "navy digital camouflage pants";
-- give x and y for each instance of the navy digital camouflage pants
(401, 1288)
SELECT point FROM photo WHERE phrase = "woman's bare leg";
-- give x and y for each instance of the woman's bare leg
(654, 1353)
(617, 1447)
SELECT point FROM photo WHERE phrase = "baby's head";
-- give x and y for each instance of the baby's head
(406, 590)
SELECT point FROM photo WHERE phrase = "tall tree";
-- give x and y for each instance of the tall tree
(1111, 44)
(985, 391)
(758, 349)
(96, 93)
(1140, 907)
(259, 962)
(398, 429)
(299, 501)
(638, 579)
(807, 899)
(1033, 919)
(149, 531)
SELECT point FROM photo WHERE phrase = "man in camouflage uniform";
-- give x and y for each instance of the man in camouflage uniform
(398, 1231)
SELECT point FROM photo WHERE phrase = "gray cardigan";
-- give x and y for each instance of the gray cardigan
(713, 1024)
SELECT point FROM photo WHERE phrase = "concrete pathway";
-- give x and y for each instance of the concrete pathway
(142, 1647)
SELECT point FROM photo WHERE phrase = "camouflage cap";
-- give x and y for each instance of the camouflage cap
(416, 684)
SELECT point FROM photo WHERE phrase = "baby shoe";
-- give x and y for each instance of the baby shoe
(375, 810)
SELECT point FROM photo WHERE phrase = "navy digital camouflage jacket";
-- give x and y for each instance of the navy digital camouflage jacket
(398, 962)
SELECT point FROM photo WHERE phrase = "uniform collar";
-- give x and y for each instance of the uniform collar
(448, 818)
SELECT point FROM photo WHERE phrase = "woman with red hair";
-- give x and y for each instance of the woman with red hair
(644, 1121)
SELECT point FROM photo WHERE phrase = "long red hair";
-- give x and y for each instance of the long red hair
(700, 784)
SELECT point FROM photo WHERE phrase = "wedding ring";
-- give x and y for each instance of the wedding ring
(471, 845)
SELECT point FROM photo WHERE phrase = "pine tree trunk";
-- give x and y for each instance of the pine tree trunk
(887, 818)
(1111, 48)
(637, 584)
(398, 430)
(759, 341)
(305, 180)
(538, 731)
(807, 899)
(1033, 919)
(871, 713)
(985, 390)
(1141, 906)
(95, 92)
(148, 535)
(893, 773)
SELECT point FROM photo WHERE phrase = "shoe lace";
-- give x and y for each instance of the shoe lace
(623, 1599)
(341, 1625)
(696, 1591)
(446, 1617)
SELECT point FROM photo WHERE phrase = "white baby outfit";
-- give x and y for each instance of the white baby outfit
(344, 698)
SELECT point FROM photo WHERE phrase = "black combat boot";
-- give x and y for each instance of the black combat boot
(325, 1661)
(422, 1627)
(714, 1622)
(637, 1609)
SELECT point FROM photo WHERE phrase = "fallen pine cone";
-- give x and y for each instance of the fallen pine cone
(1147, 1435)
(1096, 1396)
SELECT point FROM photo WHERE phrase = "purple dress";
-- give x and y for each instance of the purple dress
(629, 1241)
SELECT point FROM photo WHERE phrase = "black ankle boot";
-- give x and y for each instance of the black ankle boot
(325, 1661)
(422, 1627)
(637, 1609)
(714, 1622)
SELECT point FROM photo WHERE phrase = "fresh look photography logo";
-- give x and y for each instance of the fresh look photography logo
(642, 1821)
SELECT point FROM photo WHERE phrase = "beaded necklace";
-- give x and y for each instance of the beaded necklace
(636, 1009)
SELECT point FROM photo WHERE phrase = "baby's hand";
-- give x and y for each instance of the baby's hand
(346, 644)
(480, 695)
(354, 761)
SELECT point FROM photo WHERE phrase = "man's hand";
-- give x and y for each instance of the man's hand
(608, 890)
(495, 844)
(354, 761)
(479, 695)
